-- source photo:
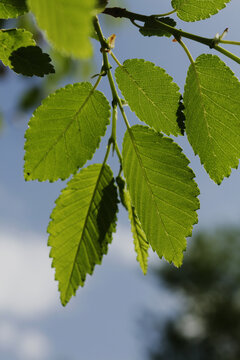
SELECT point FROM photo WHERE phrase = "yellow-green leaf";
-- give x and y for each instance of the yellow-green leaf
(162, 190)
(81, 227)
(212, 110)
(64, 132)
(68, 24)
(11, 40)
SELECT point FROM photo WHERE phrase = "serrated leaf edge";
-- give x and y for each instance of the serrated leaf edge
(189, 233)
(201, 18)
(219, 181)
(114, 227)
(27, 178)
(154, 67)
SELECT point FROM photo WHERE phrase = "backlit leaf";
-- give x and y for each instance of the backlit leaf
(212, 110)
(194, 10)
(81, 227)
(12, 8)
(64, 132)
(162, 190)
(150, 93)
(11, 40)
(68, 24)
(140, 242)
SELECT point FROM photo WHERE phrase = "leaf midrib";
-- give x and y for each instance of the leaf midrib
(202, 102)
(146, 178)
(144, 93)
(64, 131)
(84, 226)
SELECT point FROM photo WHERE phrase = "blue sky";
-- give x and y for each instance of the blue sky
(102, 321)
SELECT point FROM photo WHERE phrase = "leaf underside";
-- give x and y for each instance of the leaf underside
(12, 8)
(31, 61)
(140, 242)
(81, 227)
(162, 190)
(195, 10)
(212, 110)
(12, 40)
(64, 132)
(151, 27)
(150, 93)
(68, 24)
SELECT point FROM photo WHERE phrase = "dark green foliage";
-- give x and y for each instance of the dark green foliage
(151, 27)
(180, 115)
(12, 8)
(31, 61)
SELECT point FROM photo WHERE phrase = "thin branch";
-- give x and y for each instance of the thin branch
(211, 42)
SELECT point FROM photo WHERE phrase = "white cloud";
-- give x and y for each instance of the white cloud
(33, 345)
(27, 285)
(27, 281)
(122, 248)
(8, 335)
(25, 344)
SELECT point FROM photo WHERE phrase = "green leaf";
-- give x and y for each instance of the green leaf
(151, 27)
(12, 8)
(212, 110)
(31, 61)
(162, 190)
(150, 93)
(68, 24)
(64, 132)
(82, 225)
(11, 40)
(194, 10)
(140, 242)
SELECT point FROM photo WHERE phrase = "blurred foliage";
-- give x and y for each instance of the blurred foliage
(67, 69)
(207, 327)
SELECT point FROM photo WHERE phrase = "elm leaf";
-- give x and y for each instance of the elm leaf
(162, 190)
(31, 61)
(212, 109)
(140, 242)
(12, 8)
(151, 27)
(195, 10)
(150, 93)
(12, 40)
(64, 132)
(68, 24)
(81, 227)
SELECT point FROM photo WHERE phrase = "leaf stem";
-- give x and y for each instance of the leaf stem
(177, 33)
(227, 53)
(229, 42)
(107, 68)
(166, 14)
(114, 124)
(186, 51)
(114, 58)
(107, 153)
(116, 99)
(97, 82)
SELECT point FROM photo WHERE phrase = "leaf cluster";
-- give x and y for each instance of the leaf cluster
(155, 183)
